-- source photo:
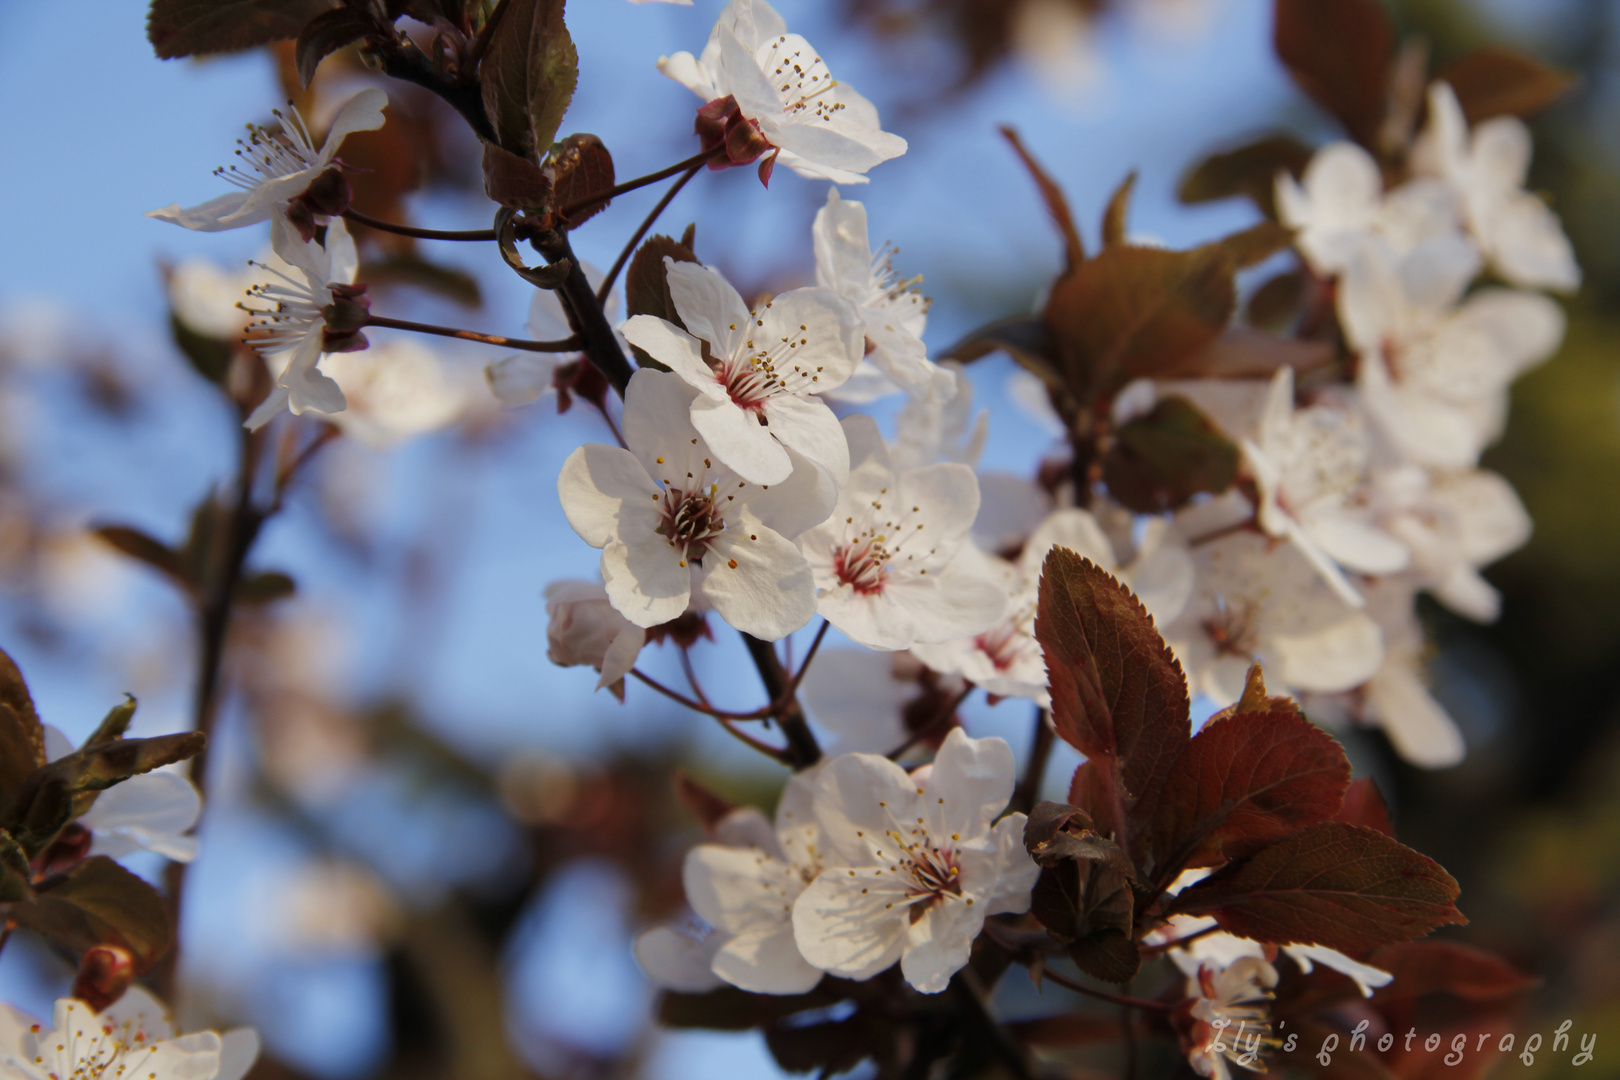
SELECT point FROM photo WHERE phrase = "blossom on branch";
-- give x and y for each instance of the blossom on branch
(674, 521)
(586, 630)
(767, 88)
(1231, 1014)
(133, 1037)
(153, 812)
(758, 402)
(886, 562)
(284, 165)
(914, 863)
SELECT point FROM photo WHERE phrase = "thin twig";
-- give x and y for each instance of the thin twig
(809, 656)
(606, 287)
(725, 719)
(480, 44)
(695, 162)
(1029, 788)
(568, 344)
(1103, 995)
(691, 676)
(1223, 531)
(928, 729)
(696, 706)
(411, 230)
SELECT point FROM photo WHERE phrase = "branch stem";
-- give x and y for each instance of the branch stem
(568, 344)
(411, 230)
(1103, 995)
(726, 720)
(802, 749)
(584, 311)
(629, 248)
(695, 162)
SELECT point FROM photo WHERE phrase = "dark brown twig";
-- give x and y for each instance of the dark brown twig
(606, 287)
(411, 230)
(568, 344)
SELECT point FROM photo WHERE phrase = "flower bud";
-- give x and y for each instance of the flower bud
(585, 630)
(105, 972)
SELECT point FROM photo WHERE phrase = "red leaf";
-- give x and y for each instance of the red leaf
(1118, 696)
(1244, 782)
(1364, 805)
(1339, 52)
(1444, 967)
(1334, 884)
(1499, 81)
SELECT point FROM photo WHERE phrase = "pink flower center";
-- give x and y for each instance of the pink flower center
(862, 565)
(1001, 644)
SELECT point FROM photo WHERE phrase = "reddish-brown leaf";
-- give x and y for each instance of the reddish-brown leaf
(1499, 81)
(1245, 782)
(580, 166)
(707, 806)
(1163, 458)
(1445, 967)
(1339, 52)
(1118, 695)
(1338, 885)
(1364, 805)
(1074, 251)
(1249, 170)
(98, 902)
(1115, 222)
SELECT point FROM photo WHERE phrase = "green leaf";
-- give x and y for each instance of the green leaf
(143, 547)
(1248, 171)
(1244, 782)
(1114, 223)
(189, 27)
(528, 75)
(1074, 250)
(1340, 52)
(1499, 81)
(646, 286)
(98, 902)
(325, 35)
(1343, 886)
(1162, 459)
(1118, 695)
(580, 166)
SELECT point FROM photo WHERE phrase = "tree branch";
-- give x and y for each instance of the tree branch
(802, 749)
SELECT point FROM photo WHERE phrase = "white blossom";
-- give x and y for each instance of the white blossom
(941, 426)
(1487, 167)
(291, 333)
(913, 865)
(745, 887)
(1396, 697)
(279, 166)
(893, 311)
(1231, 1014)
(132, 1037)
(885, 561)
(824, 129)
(394, 391)
(680, 955)
(151, 812)
(760, 400)
(1310, 466)
(586, 630)
(673, 521)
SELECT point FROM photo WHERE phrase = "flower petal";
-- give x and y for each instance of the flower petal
(758, 581)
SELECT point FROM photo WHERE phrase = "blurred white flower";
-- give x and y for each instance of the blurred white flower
(823, 129)
(885, 561)
(150, 812)
(941, 425)
(586, 630)
(672, 521)
(283, 165)
(395, 390)
(913, 864)
(1396, 698)
(761, 400)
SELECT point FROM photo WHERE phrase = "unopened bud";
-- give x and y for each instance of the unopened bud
(105, 972)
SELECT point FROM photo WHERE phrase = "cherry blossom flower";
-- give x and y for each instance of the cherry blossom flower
(586, 630)
(1254, 599)
(745, 887)
(150, 812)
(1006, 659)
(283, 165)
(781, 88)
(941, 426)
(759, 402)
(673, 521)
(523, 378)
(1487, 167)
(872, 702)
(394, 391)
(913, 864)
(294, 332)
(680, 955)
(885, 561)
(133, 1036)
(893, 311)
(1231, 1015)
(1310, 466)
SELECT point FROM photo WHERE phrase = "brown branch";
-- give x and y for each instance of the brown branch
(411, 230)
(568, 344)
(1029, 787)
(606, 287)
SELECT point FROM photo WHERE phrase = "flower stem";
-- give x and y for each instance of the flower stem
(693, 163)
(629, 248)
(568, 344)
(1103, 995)
(411, 230)
(584, 312)
(698, 706)
(726, 720)
(809, 656)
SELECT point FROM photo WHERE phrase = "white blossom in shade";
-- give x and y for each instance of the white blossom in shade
(1487, 167)
(1231, 1014)
(941, 427)
(394, 391)
(760, 401)
(291, 332)
(858, 695)
(913, 865)
(679, 956)
(885, 562)
(893, 311)
(1006, 659)
(1454, 524)
(150, 812)
(277, 166)
(525, 377)
(822, 128)
(1255, 599)
(206, 298)
(132, 1037)
(1433, 369)
(745, 887)
(1339, 206)
(673, 521)
(1310, 466)
(585, 630)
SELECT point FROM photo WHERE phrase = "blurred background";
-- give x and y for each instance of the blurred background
(428, 848)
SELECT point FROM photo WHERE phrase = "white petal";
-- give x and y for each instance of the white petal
(809, 427)
(1355, 544)
(1420, 729)
(595, 484)
(852, 923)
(799, 503)
(363, 112)
(969, 787)
(737, 438)
(674, 348)
(1071, 528)
(829, 332)
(621, 655)
(677, 961)
(859, 799)
(766, 963)
(648, 582)
(1339, 657)
(238, 1051)
(215, 215)
(758, 582)
(708, 305)
(939, 943)
(163, 802)
(521, 379)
